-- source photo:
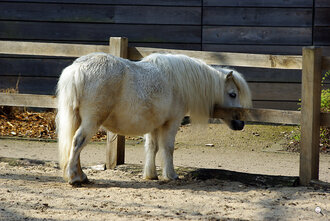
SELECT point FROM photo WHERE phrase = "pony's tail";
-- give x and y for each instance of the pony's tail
(68, 118)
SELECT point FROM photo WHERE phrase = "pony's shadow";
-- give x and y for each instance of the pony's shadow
(190, 176)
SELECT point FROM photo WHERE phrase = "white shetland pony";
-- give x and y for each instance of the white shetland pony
(133, 98)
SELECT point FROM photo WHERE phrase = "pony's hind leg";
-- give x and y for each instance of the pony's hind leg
(73, 171)
(151, 149)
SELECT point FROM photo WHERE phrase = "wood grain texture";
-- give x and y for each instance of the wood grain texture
(255, 49)
(322, 16)
(28, 100)
(276, 91)
(119, 2)
(322, 3)
(257, 35)
(260, 3)
(270, 75)
(117, 14)
(238, 16)
(99, 32)
(322, 36)
(277, 105)
(310, 115)
(49, 49)
(30, 85)
(33, 67)
(229, 59)
(326, 63)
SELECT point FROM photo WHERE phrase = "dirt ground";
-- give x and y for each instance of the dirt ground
(248, 176)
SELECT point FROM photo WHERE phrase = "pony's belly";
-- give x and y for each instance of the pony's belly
(128, 126)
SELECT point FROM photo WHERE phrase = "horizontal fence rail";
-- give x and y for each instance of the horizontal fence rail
(137, 53)
(49, 49)
(28, 100)
(226, 58)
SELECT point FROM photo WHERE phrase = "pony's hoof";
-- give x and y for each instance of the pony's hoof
(78, 183)
(173, 177)
(150, 177)
(77, 180)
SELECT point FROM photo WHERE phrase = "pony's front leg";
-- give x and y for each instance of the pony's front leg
(151, 148)
(166, 144)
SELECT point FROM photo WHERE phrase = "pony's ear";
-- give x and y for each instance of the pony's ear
(229, 76)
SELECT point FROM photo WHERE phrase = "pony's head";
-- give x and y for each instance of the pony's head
(236, 94)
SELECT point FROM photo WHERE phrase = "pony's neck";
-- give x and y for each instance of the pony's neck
(200, 85)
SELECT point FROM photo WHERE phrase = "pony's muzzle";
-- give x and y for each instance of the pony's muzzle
(237, 125)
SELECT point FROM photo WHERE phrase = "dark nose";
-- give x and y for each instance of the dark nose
(237, 125)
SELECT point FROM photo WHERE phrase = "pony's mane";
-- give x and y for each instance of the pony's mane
(200, 85)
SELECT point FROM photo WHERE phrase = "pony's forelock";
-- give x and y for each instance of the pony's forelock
(244, 90)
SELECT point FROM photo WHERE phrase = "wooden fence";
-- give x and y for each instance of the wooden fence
(311, 62)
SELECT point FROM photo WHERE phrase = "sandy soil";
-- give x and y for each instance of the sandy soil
(32, 188)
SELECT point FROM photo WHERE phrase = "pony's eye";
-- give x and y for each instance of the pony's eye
(232, 95)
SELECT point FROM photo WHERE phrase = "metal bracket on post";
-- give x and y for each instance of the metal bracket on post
(310, 114)
(115, 152)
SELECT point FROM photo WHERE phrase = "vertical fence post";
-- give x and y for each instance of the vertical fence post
(115, 150)
(310, 114)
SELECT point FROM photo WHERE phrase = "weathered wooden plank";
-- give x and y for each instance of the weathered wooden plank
(36, 67)
(276, 91)
(28, 100)
(321, 36)
(259, 3)
(257, 35)
(326, 63)
(98, 32)
(229, 59)
(120, 2)
(179, 46)
(322, 3)
(100, 13)
(322, 16)
(29, 85)
(270, 75)
(310, 115)
(255, 49)
(238, 16)
(258, 115)
(278, 105)
(49, 49)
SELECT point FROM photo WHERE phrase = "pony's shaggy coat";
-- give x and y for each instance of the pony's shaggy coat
(132, 98)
